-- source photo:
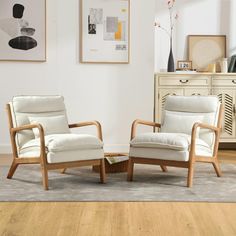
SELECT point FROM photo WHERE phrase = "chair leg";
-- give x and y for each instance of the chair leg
(190, 176)
(63, 171)
(164, 168)
(102, 171)
(12, 170)
(45, 178)
(130, 170)
(217, 168)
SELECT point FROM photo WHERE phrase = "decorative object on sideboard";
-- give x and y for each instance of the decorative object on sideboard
(105, 31)
(224, 65)
(23, 30)
(211, 68)
(173, 17)
(232, 65)
(184, 65)
(204, 50)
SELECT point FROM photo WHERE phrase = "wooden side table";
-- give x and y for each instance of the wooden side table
(116, 167)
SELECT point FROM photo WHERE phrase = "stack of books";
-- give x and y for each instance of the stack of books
(116, 159)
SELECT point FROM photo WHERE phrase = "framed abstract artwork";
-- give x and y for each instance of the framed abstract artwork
(104, 31)
(205, 50)
(23, 30)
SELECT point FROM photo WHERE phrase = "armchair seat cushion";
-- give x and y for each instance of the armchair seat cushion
(68, 147)
(175, 141)
(166, 146)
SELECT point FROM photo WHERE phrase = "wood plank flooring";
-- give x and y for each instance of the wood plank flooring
(118, 218)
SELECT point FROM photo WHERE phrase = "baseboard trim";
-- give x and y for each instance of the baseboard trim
(123, 148)
(5, 149)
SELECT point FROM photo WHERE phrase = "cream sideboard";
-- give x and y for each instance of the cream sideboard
(195, 84)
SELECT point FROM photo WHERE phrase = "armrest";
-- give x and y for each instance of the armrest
(205, 126)
(26, 127)
(215, 129)
(88, 123)
(41, 136)
(142, 122)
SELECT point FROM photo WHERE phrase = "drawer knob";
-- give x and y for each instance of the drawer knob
(234, 81)
(183, 81)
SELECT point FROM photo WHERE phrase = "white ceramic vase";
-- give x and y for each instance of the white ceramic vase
(224, 65)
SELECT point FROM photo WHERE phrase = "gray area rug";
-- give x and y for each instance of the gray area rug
(150, 184)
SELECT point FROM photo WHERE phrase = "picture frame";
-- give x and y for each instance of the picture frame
(204, 50)
(23, 30)
(184, 65)
(105, 31)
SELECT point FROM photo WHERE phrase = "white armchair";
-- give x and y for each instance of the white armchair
(40, 134)
(189, 132)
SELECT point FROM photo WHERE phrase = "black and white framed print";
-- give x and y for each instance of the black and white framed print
(104, 31)
(23, 30)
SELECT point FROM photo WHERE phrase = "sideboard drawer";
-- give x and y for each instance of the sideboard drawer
(224, 81)
(186, 80)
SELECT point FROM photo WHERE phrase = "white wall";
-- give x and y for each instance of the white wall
(195, 17)
(113, 94)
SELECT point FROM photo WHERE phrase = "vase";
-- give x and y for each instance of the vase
(171, 64)
(224, 65)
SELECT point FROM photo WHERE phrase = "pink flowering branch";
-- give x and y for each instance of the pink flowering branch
(157, 24)
(173, 19)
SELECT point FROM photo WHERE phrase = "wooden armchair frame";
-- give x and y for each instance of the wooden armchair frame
(192, 155)
(42, 159)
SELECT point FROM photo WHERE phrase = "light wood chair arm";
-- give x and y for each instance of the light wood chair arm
(206, 126)
(197, 125)
(142, 122)
(88, 123)
(41, 137)
(215, 129)
(29, 126)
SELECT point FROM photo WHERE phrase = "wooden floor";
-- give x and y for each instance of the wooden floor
(119, 218)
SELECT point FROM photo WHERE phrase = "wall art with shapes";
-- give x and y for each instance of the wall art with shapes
(23, 30)
(104, 31)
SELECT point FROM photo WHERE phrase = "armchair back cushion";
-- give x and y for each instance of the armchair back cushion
(185, 123)
(25, 107)
(51, 124)
(181, 112)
